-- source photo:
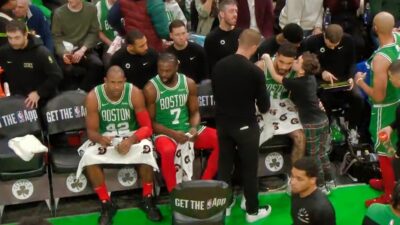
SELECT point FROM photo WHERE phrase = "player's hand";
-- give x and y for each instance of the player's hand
(359, 76)
(268, 61)
(193, 134)
(180, 137)
(328, 77)
(124, 147)
(32, 100)
(105, 141)
(321, 106)
(388, 130)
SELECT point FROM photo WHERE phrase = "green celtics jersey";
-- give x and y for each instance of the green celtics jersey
(104, 25)
(116, 117)
(382, 214)
(171, 104)
(275, 89)
(391, 53)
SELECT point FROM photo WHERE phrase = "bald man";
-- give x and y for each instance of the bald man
(384, 98)
(35, 20)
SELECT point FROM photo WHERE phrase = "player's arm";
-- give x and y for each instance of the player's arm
(93, 120)
(150, 95)
(270, 66)
(380, 67)
(142, 116)
(193, 106)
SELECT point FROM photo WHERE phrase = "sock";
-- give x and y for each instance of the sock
(102, 193)
(147, 189)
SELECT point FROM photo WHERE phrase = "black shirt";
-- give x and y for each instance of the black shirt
(237, 86)
(192, 61)
(304, 96)
(220, 43)
(269, 46)
(314, 209)
(138, 68)
(339, 61)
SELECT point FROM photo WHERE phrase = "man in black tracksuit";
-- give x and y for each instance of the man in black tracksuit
(30, 69)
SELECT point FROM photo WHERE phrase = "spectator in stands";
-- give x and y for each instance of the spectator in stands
(6, 7)
(292, 33)
(336, 54)
(390, 6)
(309, 205)
(150, 17)
(207, 11)
(114, 98)
(174, 11)
(179, 121)
(33, 221)
(138, 61)
(382, 214)
(283, 115)
(75, 30)
(191, 56)
(315, 123)
(238, 85)
(36, 22)
(257, 15)
(29, 67)
(106, 34)
(306, 13)
(223, 40)
(384, 98)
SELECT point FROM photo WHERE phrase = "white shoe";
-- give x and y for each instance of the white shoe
(262, 213)
(243, 203)
(229, 209)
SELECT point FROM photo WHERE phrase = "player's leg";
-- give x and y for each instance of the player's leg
(208, 140)
(299, 144)
(166, 148)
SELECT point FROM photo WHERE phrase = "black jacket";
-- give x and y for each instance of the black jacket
(30, 69)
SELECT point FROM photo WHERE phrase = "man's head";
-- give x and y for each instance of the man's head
(7, 5)
(293, 33)
(394, 73)
(249, 40)
(33, 221)
(114, 82)
(285, 57)
(17, 34)
(307, 64)
(383, 23)
(304, 176)
(333, 35)
(136, 42)
(178, 33)
(167, 67)
(75, 4)
(21, 10)
(228, 12)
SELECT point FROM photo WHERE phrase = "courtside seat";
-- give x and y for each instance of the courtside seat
(20, 181)
(64, 160)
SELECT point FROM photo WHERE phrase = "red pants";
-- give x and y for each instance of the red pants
(166, 147)
(388, 179)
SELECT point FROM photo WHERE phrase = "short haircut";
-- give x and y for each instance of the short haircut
(224, 3)
(168, 57)
(33, 221)
(115, 69)
(308, 165)
(3, 2)
(334, 33)
(311, 64)
(396, 195)
(293, 33)
(176, 24)
(133, 35)
(394, 68)
(288, 49)
(249, 37)
(16, 25)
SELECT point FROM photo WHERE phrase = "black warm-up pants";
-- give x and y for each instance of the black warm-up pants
(244, 139)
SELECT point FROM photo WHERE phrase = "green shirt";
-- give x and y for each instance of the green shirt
(104, 25)
(171, 104)
(119, 116)
(382, 214)
(275, 89)
(391, 53)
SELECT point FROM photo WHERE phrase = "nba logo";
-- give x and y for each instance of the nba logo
(77, 112)
(20, 117)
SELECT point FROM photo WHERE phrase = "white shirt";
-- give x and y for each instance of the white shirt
(306, 13)
(253, 21)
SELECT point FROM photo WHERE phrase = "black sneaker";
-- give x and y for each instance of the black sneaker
(148, 206)
(108, 210)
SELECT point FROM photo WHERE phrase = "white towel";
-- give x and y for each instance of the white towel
(184, 157)
(94, 154)
(26, 147)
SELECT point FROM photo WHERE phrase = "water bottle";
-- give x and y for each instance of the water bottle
(367, 14)
(327, 17)
(7, 89)
(386, 142)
